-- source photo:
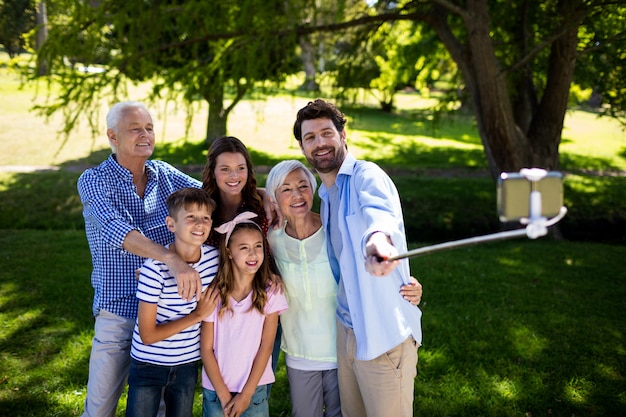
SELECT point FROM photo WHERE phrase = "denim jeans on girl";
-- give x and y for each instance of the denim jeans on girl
(211, 406)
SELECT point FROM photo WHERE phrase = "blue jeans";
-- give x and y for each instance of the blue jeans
(147, 381)
(211, 406)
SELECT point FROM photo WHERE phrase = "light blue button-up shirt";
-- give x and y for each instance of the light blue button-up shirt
(369, 202)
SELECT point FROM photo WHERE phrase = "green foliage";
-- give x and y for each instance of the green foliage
(602, 66)
(397, 55)
(17, 17)
(97, 53)
(400, 48)
(578, 95)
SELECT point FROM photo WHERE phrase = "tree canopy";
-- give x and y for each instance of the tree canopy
(517, 60)
(17, 17)
(187, 50)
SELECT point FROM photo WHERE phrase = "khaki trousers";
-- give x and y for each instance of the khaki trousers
(381, 387)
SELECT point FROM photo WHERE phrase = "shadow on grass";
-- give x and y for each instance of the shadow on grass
(513, 328)
(583, 163)
(45, 306)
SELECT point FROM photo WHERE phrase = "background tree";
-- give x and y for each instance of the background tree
(391, 58)
(517, 59)
(187, 50)
(41, 33)
(17, 17)
(318, 48)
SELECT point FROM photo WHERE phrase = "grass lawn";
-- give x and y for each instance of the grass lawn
(515, 328)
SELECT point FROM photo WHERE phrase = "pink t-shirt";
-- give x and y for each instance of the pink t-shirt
(237, 338)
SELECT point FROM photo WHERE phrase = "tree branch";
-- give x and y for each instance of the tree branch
(298, 30)
(598, 45)
(452, 7)
(572, 23)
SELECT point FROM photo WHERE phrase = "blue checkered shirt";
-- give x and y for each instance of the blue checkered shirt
(112, 209)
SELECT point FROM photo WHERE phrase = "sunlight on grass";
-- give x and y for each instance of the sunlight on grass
(608, 372)
(582, 184)
(578, 390)
(588, 134)
(510, 261)
(265, 125)
(405, 139)
(20, 319)
(527, 343)
(505, 388)
(465, 390)
(433, 356)
(71, 399)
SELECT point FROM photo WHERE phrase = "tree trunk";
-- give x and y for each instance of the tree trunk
(216, 124)
(42, 34)
(308, 61)
(516, 132)
(218, 114)
(523, 94)
(501, 136)
(545, 131)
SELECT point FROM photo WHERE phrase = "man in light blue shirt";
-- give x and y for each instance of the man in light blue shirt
(378, 331)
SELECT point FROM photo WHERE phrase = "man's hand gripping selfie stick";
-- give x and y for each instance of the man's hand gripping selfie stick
(537, 225)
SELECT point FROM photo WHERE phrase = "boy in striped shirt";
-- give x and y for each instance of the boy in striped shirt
(165, 350)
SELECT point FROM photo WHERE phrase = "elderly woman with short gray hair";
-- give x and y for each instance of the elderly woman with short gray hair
(309, 326)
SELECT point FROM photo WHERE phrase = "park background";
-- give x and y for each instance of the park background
(513, 328)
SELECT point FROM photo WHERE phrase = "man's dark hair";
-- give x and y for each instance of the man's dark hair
(318, 109)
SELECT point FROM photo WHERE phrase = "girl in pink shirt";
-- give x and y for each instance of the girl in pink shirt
(237, 339)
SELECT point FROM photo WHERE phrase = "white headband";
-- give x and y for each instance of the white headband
(228, 227)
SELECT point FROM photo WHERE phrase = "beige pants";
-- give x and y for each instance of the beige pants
(381, 387)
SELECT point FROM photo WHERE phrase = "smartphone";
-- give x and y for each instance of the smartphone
(514, 195)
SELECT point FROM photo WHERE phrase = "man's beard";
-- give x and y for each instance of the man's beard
(327, 166)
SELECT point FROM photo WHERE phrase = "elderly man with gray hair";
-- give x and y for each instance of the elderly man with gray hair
(124, 209)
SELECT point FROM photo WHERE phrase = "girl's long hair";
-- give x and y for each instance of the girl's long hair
(225, 279)
(249, 192)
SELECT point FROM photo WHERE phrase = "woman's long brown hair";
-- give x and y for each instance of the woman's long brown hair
(249, 192)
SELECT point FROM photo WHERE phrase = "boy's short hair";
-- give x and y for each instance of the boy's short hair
(184, 197)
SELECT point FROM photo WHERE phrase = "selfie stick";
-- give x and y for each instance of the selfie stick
(537, 225)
